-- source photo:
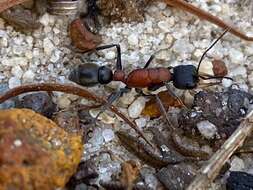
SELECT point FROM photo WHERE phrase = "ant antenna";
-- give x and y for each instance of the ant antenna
(202, 57)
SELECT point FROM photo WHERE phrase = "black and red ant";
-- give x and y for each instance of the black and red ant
(183, 76)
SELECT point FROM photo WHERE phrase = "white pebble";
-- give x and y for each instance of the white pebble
(110, 55)
(48, 46)
(133, 39)
(56, 56)
(63, 102)
(237, 164)
(206, 67)
(14, 82)
(207, 129)
(17, 143)
(226, 82)
(135, 109)
(141, 122)
(17, 71)
(182, 46)
(236, 56)
(108, 135)
(28, 76)
(22, 61)
(45, 19)
(240, 70)
(164, 26)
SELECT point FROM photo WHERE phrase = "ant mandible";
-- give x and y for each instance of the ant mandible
(183, 76)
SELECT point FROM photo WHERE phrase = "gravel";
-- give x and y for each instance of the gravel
(45, 55)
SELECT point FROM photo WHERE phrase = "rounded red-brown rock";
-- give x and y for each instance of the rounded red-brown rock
(81, 37)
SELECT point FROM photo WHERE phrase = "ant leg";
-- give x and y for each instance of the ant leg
(163, 111)
(149, 61)
(174, 95)
(112, 97)
(118, 63)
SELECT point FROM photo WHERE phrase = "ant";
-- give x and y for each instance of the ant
(184, 77)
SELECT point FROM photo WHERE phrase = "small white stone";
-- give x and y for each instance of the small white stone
(48, 46)
(63, 102)
(56, 56)
(169, 40)
(135, 109)
(17, 71)
(206, 67)
(17, 143)
(28, 76)
(226, 82)
(236, 56)
(133, 39)
(207, 129)
(164, 26)
(108, 135)
(141, 122)
(3, 42)
(29, 54)
(182, 46)
(237, 164)
(240, 70)
(45, 19)
(110, 55)
(14, 82)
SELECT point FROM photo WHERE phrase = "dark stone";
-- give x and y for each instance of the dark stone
(240, 181)
(176, 177)
(39, 102)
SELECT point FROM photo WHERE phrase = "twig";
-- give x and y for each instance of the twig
(6, 4)
(49, 87)
(209, 172)
(183, 5)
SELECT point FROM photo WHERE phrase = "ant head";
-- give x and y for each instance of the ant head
(105, 75)
(185, 77)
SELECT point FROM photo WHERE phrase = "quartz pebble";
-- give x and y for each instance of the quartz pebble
(133, 39)
(108, 135)
(237, 164)
(135, 109)
(14, 82)
(207, 129)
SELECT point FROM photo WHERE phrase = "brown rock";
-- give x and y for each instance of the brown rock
(81, 37)
(219, 68)
(35, 152)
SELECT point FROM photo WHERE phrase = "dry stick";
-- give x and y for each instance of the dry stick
(181, 4)
(209, 172)
(49, 87)
(6, 4)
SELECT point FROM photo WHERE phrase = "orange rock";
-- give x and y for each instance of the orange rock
(81, 37)
(35, 152)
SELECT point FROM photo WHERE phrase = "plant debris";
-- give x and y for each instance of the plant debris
(152, 108)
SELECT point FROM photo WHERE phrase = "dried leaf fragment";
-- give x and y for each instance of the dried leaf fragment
(130, 172)
(152, 108)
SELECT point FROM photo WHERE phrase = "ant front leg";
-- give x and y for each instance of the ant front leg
(118, 63)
